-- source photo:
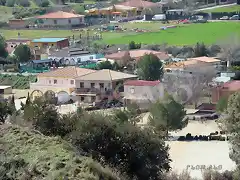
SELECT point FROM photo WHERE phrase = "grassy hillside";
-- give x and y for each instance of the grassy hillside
(17, 81)
(28, 155)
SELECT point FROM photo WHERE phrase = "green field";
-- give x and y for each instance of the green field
(208, 33)
(31, 34)
(234, 8)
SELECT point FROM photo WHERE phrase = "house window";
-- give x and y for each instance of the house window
(82, 98)
(93, 98)
(92, 85)
(80, 20)
(101, 85)
(132, 90)
(91, 57)
(55, 81)
(69, 21)
(52, 44)
(55, 21)
(49, 81)
(81, 85)
(72, 81)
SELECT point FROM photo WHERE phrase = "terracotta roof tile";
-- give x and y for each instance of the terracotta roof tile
(105, 75)
(141, 83)
(205, 59)
(137, 54)
(70, 72)
(139, 4)
(59, 15)
(183, 64)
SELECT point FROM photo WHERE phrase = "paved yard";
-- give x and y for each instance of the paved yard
(199, 153)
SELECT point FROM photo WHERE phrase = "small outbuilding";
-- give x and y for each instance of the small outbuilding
(5, 90)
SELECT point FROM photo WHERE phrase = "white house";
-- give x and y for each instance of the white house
(143, 92)
(61, 18)
(60, 81)
(71, 56)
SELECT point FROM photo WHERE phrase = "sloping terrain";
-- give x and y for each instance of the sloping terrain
(25, 155)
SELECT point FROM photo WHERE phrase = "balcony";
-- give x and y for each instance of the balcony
(95, 91)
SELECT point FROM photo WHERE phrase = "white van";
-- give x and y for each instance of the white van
(159, 17)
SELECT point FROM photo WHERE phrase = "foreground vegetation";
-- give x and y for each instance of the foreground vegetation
(27, 154)
(17, 81)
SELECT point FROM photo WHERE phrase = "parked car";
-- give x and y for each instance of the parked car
(234, 17)
(224, 18)
(159, 17)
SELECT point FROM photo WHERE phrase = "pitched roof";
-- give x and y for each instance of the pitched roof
(184, 64)
(105, 75)
(205, 59)
(70, 72)
(141, 83)
(137, 54)
(17, 40)
(68, 52)
(139, 4)
(49, 40)
(59, 15)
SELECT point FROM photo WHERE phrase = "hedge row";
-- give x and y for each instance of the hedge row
(189, 137)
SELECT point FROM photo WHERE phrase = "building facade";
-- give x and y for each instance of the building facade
(225, 90)
(143, 93)
(102, 84)
(62, 19)
(57, 43)
(59, 80)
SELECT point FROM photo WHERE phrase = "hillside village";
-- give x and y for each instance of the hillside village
(120, 90)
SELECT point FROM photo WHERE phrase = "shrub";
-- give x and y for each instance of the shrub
(222, 138)
(214, 138)
(10, 3)
(24, 3)
(205, 138)
(196, 138)
(181, 138)
(42, 3)
(189, 137)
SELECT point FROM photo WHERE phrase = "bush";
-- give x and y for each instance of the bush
(42, 3)
(189, 137)
(10, 3)
(24, 3)
(214, 138)
(205, 138)
(181, 138)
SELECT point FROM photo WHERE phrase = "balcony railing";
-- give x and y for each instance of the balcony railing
(93, 91)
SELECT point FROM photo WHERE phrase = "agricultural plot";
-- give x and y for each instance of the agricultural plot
(209, 33)
(17, 81)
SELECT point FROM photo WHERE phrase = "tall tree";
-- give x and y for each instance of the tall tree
(231, 124)
(200, 50)
(23, 53)
(3, 51)
(105, 65)
(167, 115)
(230, 50)
(150, 68)
(139, 153)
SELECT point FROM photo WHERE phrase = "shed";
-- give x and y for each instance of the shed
(5, 90)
